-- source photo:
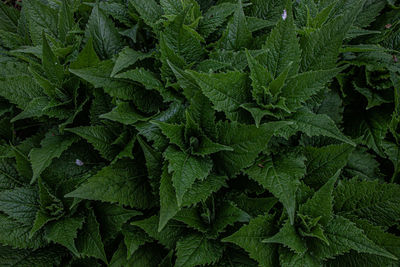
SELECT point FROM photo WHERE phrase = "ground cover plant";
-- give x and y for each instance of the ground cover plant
(188, 133)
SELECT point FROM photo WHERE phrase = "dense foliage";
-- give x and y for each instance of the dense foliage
(187, 133)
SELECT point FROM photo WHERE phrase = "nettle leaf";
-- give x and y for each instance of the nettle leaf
(124, 113)
(314, 125)
(181, 39)
(370, 200)
(41, 18)
(186, 169)
(99, 76)
(227, 91)
(106, 39)
(323, 163)
(112, 217)
(237, 34)
(52, 146)
(128, 57)
(196, 250)
(20, 204)
(100, 137)
(282, 47)
(9, 177)
(18, 234)
(301, 87)
(288, 237)
(64, 232)
(320, 48)
(25, 257)
(149, 11)
(321, 204)
(247, 141)
(8, 18)
(118, 183)
(87, 57)
(89, 241)
(168, 237)
(344, 235)
(215, 17)
(281, 176)
(249, 238)
(168, 203)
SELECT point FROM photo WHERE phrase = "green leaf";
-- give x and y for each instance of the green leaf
(99, 76)
(153, 163)
(299, 88)
(48, 256)
(124, 113)
(227, 91)
(126, 58)
(52, 146)
(362, 164)
(148, 10)
(343, 235)
(41, 18)
(194, 250)
(17, 86)
(260, 77)
(52, 67)
(249, 238)
(322, 163)
(87, 57)
(123, 182)
(9, 177)
(143, 76)
(282, 47)
(185, 170)
(314, 125)
(227, 214)
(370, 127)
(134, 237)
(18, 234)
(101, 29)
(174, 132)
(168, 203)
(8, 18)
(255, 206)
(89, 241)
(66, 21)
(288, 237)
(371, 200)
(321, 203)
(247, 142)
(168, 237)
(215, 17)
(100, 137)
(20, 204)
(201, 190)
(288, 259)
(280, 176)
(64, 232)
(320, 48)
(112, 217)
(237, 34)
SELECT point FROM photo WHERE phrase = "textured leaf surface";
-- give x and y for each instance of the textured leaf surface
(51, 147)
(249, 237)
(282, 181)
(89, 242)
(117, 183)
(195, 250)
(64, 232)
(185, 170)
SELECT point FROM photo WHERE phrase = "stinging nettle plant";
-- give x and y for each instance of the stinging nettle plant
(199, 133)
